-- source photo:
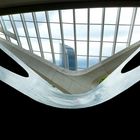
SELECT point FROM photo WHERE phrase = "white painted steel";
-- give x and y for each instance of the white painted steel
(40, 90)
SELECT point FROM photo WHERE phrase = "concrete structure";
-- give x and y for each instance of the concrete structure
(70, 81)
(39, 89)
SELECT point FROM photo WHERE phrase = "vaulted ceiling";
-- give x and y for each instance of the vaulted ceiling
(19, 6)
(94, 34)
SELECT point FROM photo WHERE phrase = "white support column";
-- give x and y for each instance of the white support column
(88, 34)
(15, 30)
(102, 34)
(38, 34)
(116, 30)
(131, 26)
(62, 38)
(75, 40)
(26, 32)
(50, 36)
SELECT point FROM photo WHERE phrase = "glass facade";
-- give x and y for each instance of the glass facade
(75, 39)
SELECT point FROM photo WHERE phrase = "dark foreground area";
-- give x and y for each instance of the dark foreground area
(15, 105)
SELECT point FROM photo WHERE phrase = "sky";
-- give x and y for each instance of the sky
(83, 24)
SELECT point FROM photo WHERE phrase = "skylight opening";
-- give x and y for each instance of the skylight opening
(107, 49)
(55, 30)
(68, 31)
(81, 15)
(67, 16)
(93, 61)
(28, 17)
(53, 16)
(81, 48)
(20, 28)
(81, 32)
(48, 56)
(24, 43)
(123, 33)
(40, 16)
(110, 15)
(46, 45)
(37, 53)
(109, 31)
(93, 34)
(43, 30)
(8, 26)
(120, 46)
(136, 34)
(95, 15)
(126, 15)
(94, 49)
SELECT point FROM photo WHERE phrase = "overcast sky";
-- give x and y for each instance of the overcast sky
(81, 20)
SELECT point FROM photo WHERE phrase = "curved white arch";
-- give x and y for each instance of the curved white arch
(40, 90)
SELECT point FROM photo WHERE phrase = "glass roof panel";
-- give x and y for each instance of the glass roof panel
(93, 61)
(81, 48)
(8, 26)
(37, 53)
(53, 16)
(58, 59)
(20, 28)
(34, 43)
(48, 56)
(68, 31)
(81, 15)
(69, 43)
(43, 30)
(107, 49)
(46, 45)
(56, 45)
(109, 32)
(24, 43)
(28, 17)
(126, 15)
(137, 21)
(55, 30)
(31, 29)
(81, 62)
(16, 17)
(70, 27)
(81, 32)
(110, 15)
(67, 16)
(95, 32)
(103, 58)
(120, 46)
(13, 41)
(96, 15)
(5, 17)
(123, 33)
(94, 48)
(136, 34)
(40, 16)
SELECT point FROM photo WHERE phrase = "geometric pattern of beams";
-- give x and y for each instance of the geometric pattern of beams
(93, 33)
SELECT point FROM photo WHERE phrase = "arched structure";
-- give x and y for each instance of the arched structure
(25, 33)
